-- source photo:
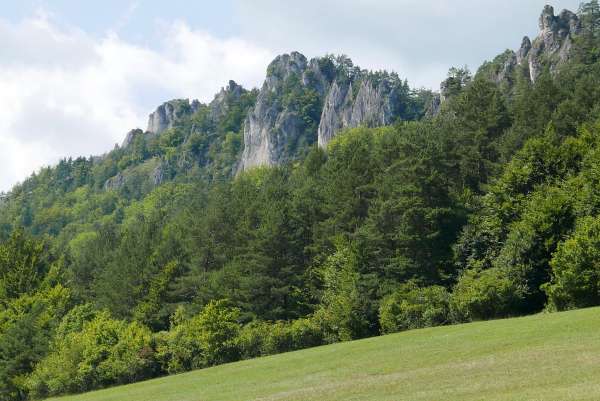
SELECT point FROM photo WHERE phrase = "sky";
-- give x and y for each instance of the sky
(75, 76)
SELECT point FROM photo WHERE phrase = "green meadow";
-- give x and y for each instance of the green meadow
(542, 357)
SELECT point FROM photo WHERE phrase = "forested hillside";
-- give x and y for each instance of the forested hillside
(224, 231)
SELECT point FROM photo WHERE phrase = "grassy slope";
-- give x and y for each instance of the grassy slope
(543, 357)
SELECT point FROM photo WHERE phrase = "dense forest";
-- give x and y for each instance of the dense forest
(487, 208)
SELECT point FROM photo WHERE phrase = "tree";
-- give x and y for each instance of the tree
(207, 339)
(589, 14)
(342, 309)
(413, 307)
(458, 79)
(487, 294)
(22, 265)
(576, 268)
(105, 351)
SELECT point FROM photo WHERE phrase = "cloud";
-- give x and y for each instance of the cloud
(66, 93)
(420, 39)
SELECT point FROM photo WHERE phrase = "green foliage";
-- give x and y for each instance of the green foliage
(413, 307)
(150, 311)
(26, 327)
(495, 198)
(342, 308)
(458, 79)
(105, 351)
(575, 270)
(22, 267)
(487, 294)
(206, 339)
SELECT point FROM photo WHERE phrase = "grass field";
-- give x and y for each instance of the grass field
(542, 357)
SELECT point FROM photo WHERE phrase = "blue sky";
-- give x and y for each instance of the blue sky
(75, 76)
(135, 20)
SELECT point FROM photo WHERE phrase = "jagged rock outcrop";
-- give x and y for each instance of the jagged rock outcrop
(168, 113)
(275, 124)
(114, 183)
(219, 106)
(372, 106)
(550, 48)
(346, 97)
(554, 41)
(130, 137)
(434, 107)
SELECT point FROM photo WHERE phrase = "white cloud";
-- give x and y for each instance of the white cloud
(65, 93)
(420, 39)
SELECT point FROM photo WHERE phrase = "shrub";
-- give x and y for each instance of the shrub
(306, 333)
(486, 294)
(412, 307)
(207, 339)
(279, 339)
(106, 351)
(576, 269)
(251, 339)
(259, 338)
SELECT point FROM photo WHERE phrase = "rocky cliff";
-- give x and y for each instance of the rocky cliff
(165, 116)
(374, 104)
(551, 48)
(276, 122)
(302, 102)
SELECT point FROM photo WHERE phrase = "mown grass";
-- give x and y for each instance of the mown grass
(542, 357)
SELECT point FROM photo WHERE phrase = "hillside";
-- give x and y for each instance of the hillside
(331, 204)
(543, 358)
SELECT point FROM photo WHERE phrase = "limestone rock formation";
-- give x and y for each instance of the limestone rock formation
(554, 41)
(372, 106)
(219, 105)
(343, 95)
(130, 137)
(550, 48)
(275, 124)
(168, 113)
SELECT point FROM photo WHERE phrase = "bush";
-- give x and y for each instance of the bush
(412, 307)
(486, 294)
(251, 339)
(262, 338)
(106, 351)
(576, 269)
(306, 333)
(209, 338)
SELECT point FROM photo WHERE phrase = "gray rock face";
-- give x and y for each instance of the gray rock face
(348, 97)
(114, 183)
(272, 125)
(554, 41)
(337, 112)
(219, 105)
(167, 114)
(130, 137)
(550, 48)
(372, 107)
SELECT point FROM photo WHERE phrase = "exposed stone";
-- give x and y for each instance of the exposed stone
(169, 113)
(350, 99)
(271, 127)
(337, 112)
(435, 106)
(114, 183)
(158, 174)
(219, 105)
(130, 137)
(554, 42)
(550, 48)
(372, 107)
(523, 50)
